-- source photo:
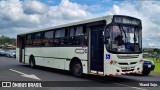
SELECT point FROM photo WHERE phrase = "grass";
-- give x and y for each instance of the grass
(157, 64)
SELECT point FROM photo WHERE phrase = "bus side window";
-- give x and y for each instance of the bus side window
(37, 39)
(56, 42)
(85, 36)
(81, 36)
(60, 38)
(66, 37)
(48, 39)
(28, 42)
(71, 36)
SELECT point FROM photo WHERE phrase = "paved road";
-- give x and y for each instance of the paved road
(12, 70)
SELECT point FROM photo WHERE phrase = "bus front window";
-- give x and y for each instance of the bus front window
(124, 39)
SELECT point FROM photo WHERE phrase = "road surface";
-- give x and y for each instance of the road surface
(11, 70)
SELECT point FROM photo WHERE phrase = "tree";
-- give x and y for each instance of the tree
(158, 51)
(5, 39)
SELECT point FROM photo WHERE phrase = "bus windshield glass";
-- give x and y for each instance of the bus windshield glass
(124, 39)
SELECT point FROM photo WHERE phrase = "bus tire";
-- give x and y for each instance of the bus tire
(77, 69)
(32, 62)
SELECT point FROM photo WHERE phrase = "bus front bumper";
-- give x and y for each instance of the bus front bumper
(112, 70)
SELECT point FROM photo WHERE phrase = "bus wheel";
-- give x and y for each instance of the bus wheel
(77, 69)
(32, 62)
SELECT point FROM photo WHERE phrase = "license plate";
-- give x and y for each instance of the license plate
(149, 66)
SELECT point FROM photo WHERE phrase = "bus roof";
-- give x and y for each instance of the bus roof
(108, 18)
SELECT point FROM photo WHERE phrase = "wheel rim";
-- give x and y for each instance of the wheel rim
(77, 68)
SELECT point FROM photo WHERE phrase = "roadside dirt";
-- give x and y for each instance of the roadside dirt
(155, 74)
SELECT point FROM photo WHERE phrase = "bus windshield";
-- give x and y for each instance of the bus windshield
(124, 39)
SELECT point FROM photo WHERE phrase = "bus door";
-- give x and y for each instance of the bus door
(22, 49)
(97, 49)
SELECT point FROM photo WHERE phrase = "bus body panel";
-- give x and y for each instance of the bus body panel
(57, 57)
(121, 64)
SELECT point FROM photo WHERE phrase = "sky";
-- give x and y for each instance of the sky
(18, 16)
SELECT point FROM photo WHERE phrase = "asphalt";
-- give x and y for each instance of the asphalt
(12, 71)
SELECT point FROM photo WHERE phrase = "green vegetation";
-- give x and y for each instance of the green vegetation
(156, 50)
(157, 67)
(157, 64)
(7, 40)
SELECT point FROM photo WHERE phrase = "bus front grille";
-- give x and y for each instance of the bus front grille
(127, 70)
(123, 63)
(127, 57)
(131, 63)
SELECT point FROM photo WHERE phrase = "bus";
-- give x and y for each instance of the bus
(106, 46)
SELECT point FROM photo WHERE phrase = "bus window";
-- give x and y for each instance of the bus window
(71, 36)
(48, 39)
(60, 39)
(124, 39)
(79, 31)
(60, 33)
(48, 35)
(71, 32)
(37, 36)
(80, 36)
(37, 39)
(56, 42)
(28, 40)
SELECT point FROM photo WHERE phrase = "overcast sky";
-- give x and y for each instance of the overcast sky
(17, 16)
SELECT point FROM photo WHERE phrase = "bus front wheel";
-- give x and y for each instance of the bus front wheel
(77, 69)
(32, 62)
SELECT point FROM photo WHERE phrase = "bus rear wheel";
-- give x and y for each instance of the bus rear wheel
(32, 62)
(77, 69)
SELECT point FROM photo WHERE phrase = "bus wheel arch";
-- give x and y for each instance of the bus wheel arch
(32, 61)
(76, 67)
